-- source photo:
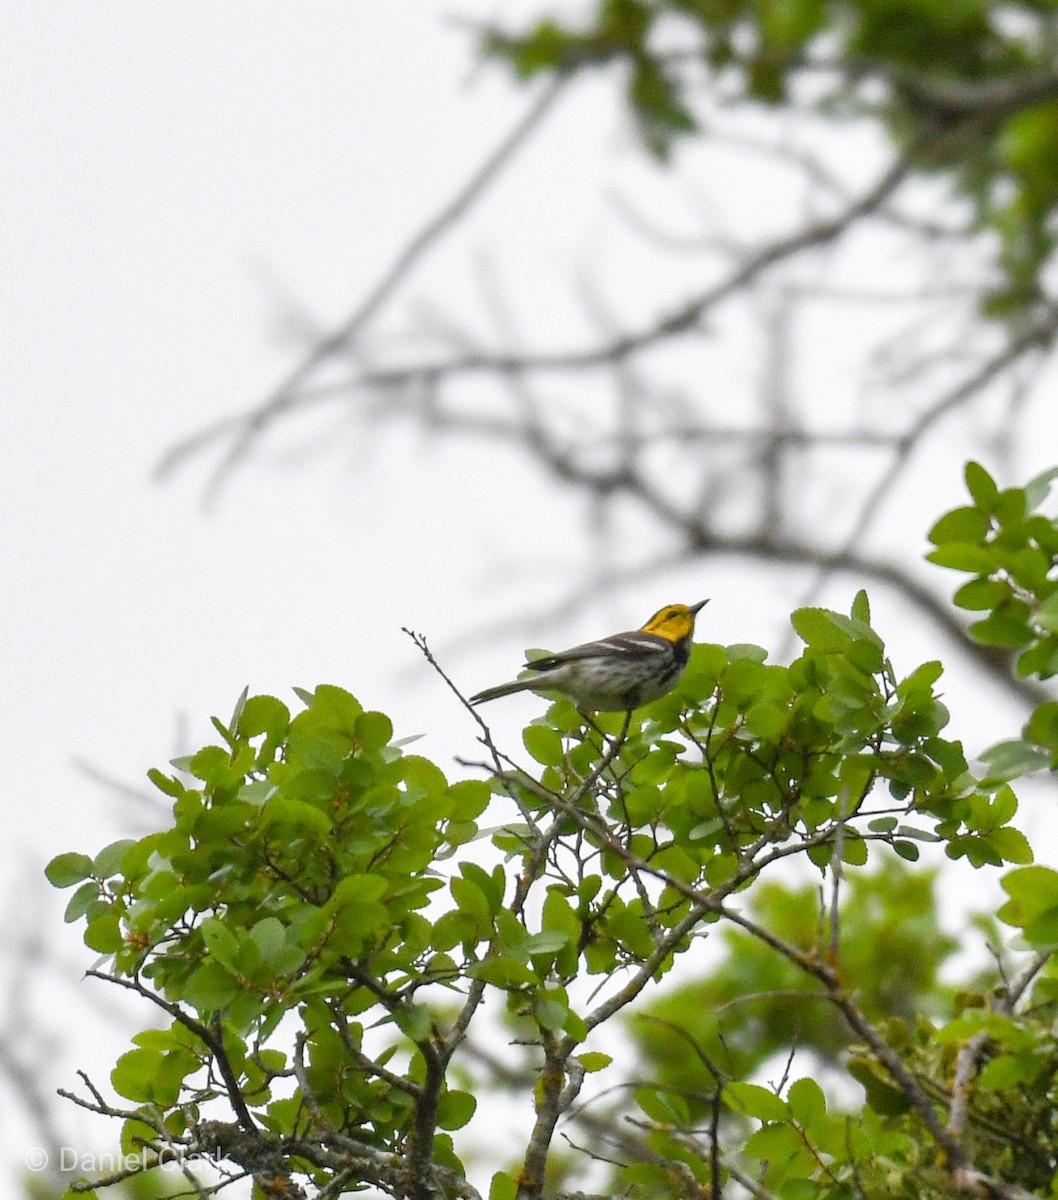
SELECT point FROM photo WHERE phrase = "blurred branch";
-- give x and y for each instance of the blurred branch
(294, 392)
(717, 474)
(682, 319)
(24, 1045)
(245, 429)
(1036, 337)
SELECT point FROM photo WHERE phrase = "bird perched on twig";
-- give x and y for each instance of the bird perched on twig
(617, 673)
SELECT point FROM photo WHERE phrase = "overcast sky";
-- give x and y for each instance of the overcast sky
(188, 190)
(178, 180)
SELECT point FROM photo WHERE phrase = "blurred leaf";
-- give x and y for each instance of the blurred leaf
(67, 869)
(981, 486)
(756, 1101)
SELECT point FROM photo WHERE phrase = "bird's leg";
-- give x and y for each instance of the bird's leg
(613, 745)
(615, 749)
(590, 726)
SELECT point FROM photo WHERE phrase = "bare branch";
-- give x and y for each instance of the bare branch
(247, 428)
(685, 317)
(1037, 336)
(211, 1038)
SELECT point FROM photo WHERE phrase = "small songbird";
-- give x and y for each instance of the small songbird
(618, 673)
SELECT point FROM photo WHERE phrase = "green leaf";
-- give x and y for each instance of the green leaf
(472, 899)
(103, 934)
(1033, 891)
(980, 594)
(334, 707)
(83, 901)
(745, 652)
(502, 971)
(491, 886)
(1010, 506)
(817, 628)
(107, 862)
(240, 704)
(165, 783)
(969, 525)
(221, 942)
(807, 1102)
(1007, 1071)
(364, 888)
(964, 556)
(1005, 627)
(559, 916)
(419, 772)
(65, 870)
(373, 730)
(210, 764)
(594, 1060)
(503, 1187)
(455, 1109)
(1043, 928)
(414, 1021)
(663, 1106)
(1038, 488)
(1027, 566)
(294, 817)
(269, 936)
(544, 744)
(1046, 614)
(756, 1101)
(768, 721)
(1040, 659)
(551, 1015)
(134, 1074)
(981, 486)
(210, 988)
(469, 798)
(919, 684)
(861, 608)
(1012, 845)
(774, 1143)
(720, 868)
(546, 942)
(262, 714)
(1012, 759)
(882, 1095)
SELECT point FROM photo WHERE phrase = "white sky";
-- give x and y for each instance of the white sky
(173, 175)
(177, 178)
(167, 170)
(163, 162)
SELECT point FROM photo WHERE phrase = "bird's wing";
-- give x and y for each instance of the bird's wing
(633, 644)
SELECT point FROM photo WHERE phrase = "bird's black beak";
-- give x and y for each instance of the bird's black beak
(694, 608)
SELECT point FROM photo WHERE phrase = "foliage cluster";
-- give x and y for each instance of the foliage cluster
(332, 936)
(965, 88)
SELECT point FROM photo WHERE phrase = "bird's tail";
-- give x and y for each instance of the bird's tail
(504, 689)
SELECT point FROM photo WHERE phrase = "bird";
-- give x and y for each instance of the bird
(617, 673)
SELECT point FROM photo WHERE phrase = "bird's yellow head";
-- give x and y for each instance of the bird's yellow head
(674, 622)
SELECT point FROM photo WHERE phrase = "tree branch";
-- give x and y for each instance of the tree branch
(245, 429)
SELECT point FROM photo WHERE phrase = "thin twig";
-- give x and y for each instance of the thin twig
(212, 1039)
(246, 428)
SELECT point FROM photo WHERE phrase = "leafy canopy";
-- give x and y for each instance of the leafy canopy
(328, 930)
